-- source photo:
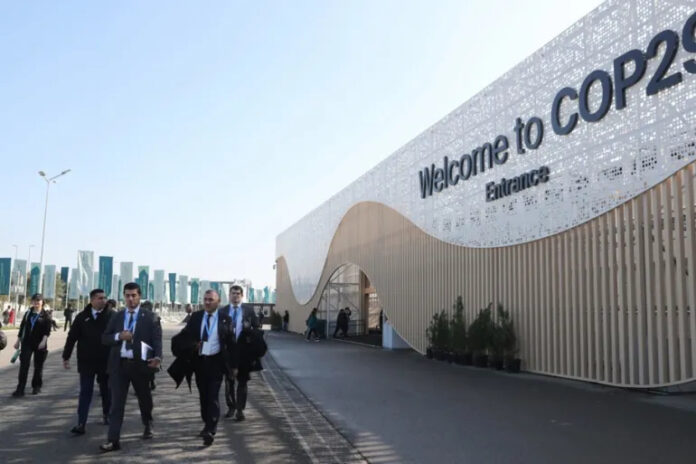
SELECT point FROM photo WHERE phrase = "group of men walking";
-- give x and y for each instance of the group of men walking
(124, 348)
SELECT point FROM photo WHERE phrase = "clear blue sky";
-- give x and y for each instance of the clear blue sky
(197, 131)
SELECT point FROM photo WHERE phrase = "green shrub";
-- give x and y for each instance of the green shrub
(507, 339)
(438, 332)
(481, 331)
(458, 341)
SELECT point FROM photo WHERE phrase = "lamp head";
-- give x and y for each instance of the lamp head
(42, 174)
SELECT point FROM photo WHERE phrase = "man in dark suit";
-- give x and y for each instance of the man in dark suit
(92, 356)
(68, 314)
(213, 332)
(129, 333)
(33, 340)
(242, 316)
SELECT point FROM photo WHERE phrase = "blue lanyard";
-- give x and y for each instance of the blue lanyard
(205, 331)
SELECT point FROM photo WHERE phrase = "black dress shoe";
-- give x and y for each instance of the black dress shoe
(208, 439)
(239, 417)
(204, 431)
(35, 391)
(110, 446)
(147, 433)
(230, 413)
(105, 419)
(79, 429)
(17, 393)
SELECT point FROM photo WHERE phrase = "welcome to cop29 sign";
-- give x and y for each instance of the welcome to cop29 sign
(568, 107)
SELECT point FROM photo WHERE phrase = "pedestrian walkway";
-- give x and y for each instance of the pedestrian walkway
(281, 426)
(398, 406)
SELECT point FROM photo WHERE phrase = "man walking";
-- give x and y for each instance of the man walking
(92, 356)
(33, 340)
(241, 316)
(213, 331)
(135, 338)
(68, 314)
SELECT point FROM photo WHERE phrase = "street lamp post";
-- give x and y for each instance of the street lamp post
(43, 232)
(28, 274)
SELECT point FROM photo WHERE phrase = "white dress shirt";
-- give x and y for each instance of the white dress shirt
(212, 346)
(124, 352)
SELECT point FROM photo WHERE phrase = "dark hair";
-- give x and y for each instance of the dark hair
(237, 287)
(111, 303)
(146, 305)
(132, 286)
(37, 297)
(95, 291)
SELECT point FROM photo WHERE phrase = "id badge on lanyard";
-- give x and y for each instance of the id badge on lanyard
(205, 346)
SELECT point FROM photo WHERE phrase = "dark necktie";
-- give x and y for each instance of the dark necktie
(206, 329)
(130, 325)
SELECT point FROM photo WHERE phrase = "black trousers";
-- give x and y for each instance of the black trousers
(209, 374)
(25, 362)
(343, 328)
(68, 323)
(236, 399)
(130, 372)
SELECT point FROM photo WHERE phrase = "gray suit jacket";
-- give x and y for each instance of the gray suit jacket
(148, 329)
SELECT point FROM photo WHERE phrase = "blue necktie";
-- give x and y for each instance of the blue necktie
(237, 326)
(130, 325)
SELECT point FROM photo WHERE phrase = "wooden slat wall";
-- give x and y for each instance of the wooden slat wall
(610, 301)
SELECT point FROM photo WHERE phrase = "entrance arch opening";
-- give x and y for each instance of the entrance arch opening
(349, 290)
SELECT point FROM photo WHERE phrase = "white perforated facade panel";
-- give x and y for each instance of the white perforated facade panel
(592, 170)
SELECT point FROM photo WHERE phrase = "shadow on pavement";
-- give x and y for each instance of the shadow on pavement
(37, 428)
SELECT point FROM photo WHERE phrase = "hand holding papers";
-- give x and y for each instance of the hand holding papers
(145, 351)
(146, 354)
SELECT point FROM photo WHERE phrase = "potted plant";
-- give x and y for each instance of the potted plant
(458, 332)
(508, 341)
(495, 359)
(480, 336)
(443, 337)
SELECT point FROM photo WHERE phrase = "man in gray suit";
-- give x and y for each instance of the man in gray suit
(242, 316)
(129, 332)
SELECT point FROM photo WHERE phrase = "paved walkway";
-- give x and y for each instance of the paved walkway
(397, 406)
(334, 402)
(281, 426)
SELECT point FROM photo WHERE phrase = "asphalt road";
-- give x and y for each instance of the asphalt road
(397, 406)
